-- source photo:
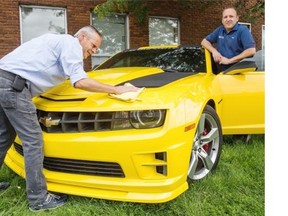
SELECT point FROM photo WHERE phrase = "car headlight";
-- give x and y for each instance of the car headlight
(147, 118)
(139, 119)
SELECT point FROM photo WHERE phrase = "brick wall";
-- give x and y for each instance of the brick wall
(195, 22)
(9, 26)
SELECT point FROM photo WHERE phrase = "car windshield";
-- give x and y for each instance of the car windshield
(180, 59)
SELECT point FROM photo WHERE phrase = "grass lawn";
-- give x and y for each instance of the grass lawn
(235, 188)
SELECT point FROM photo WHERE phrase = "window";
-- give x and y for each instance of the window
(246, 24)
(115, 36)
(37, 20)
(163, 31)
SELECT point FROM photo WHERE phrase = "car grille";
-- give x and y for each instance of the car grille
(72, 122)
(95, 168)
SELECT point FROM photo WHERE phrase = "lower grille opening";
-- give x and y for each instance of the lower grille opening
(95, 168)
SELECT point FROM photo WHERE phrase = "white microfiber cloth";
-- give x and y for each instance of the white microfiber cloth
(128, 96)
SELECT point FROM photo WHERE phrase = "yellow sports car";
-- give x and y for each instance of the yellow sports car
(146, 146)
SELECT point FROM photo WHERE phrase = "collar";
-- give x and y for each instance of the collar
(235, 28)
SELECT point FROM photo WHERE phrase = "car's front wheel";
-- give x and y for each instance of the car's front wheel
(207, 145)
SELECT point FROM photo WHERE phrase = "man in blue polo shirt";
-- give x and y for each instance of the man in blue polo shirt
(234, 41)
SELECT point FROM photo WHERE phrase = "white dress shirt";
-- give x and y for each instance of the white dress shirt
(46, 61)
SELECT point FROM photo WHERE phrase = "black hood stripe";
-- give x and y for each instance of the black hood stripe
(157, 80)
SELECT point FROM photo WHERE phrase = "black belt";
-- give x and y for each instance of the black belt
(7, 75)
(18, 82)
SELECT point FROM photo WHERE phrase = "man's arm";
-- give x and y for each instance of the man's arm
(95, 86)
(216, 55)
(246, 53)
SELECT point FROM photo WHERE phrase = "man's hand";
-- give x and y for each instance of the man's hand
(129, 93)
(126, 88)
(225, 61)
(92, 85)
(217, 56)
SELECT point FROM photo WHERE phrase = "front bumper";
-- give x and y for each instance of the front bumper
(154, 164)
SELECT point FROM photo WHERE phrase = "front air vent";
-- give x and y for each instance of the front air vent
(59, 100)
(162, 169)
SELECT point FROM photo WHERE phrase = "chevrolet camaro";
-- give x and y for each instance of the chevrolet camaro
(150, 148)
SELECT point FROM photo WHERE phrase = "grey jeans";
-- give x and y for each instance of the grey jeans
(18, 116)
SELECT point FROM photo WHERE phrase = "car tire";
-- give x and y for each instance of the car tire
(207, 145)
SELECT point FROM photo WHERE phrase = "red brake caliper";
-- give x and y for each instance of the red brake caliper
(206, 146)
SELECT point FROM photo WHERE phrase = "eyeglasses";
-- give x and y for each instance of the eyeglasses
(94, 46)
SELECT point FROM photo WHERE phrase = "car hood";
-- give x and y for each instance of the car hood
(113, 76)
(166, 83)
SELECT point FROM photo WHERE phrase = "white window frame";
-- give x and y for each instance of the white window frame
(171, 18)
(263, 37)
(41, 7)
(246, 24)
(127, 39)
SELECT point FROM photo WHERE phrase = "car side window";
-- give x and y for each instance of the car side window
(259, 59)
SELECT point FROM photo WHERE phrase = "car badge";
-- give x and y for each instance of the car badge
(48, 121)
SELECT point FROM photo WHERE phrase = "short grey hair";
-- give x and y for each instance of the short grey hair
(88, 30)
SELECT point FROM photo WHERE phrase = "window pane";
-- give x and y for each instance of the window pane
(36, 21)
(163, 31)
(113, 29)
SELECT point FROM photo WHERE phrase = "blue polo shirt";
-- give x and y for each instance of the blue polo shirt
(232, 43)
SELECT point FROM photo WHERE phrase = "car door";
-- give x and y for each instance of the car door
(243, 102)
